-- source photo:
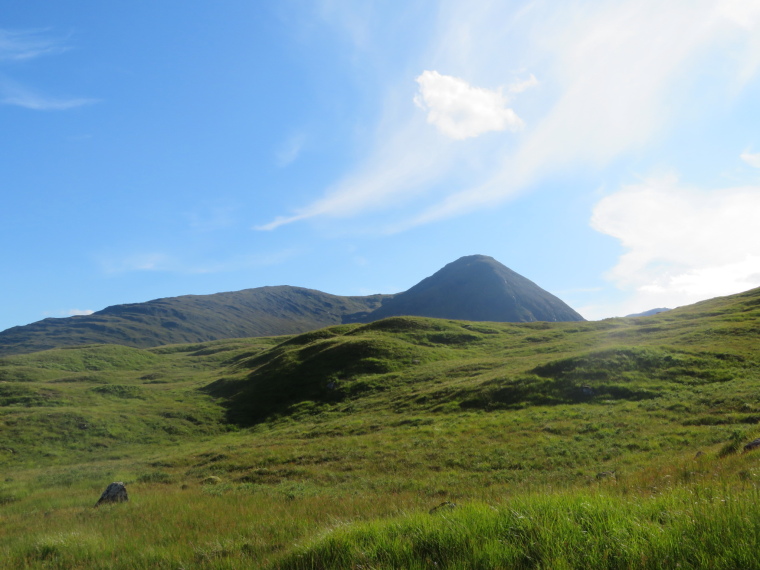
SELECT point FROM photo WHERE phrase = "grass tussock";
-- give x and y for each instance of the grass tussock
(687, 528)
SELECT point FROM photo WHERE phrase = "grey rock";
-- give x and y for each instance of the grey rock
(114, 493)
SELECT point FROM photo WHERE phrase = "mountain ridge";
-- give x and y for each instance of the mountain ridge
(476, 288)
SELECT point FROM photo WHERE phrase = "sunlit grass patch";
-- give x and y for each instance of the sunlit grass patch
(686, 528)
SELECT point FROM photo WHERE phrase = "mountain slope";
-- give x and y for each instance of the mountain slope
(477, 288)
(264, 311)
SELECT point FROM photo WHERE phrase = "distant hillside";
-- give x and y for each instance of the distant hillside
(474, 288)
(264, 311)
(650, 312)
(477, 288)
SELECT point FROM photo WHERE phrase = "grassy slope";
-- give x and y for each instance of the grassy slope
(327, 449)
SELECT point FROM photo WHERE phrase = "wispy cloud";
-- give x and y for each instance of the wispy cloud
(152, 261)
(212, 218)
(520, 86)
(352, 19)
(13, 93)
(21, 45)
(73, 312)
(389, 177)
(682, 244)
(290, 150)
(18, 46)
(751, 159)
(612, 75)
(68, 313)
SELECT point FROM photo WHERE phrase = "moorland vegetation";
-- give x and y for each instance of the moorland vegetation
(408, 442)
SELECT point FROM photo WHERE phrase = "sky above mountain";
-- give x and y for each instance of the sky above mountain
(608, 151)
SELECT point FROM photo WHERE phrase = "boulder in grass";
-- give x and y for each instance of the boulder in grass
(754, 444)
(114, 493)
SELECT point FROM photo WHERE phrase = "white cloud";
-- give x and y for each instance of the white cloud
(751, 159)
(619, 68)
(616, 76)
(682, 244)
(745, 13)
(67, 313)
(461, 111)
(74, 312)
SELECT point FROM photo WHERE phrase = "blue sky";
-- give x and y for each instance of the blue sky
(608, 151)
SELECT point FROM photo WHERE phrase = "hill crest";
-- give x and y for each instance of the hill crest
(475, 288)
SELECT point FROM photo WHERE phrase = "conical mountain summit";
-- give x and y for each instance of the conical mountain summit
(477, 288)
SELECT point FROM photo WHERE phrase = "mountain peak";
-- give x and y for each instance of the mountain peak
(477, 288)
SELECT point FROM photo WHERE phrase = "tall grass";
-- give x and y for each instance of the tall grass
(167, 527)
(686, 528)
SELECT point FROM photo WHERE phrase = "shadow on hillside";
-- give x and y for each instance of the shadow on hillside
(307, 372)
(532, 390)
(251, 401)
(622, 373)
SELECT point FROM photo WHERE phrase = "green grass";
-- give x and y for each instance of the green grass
(328, 449)
(686, 528)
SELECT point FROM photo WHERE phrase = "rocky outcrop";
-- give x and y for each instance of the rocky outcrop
(114, 493)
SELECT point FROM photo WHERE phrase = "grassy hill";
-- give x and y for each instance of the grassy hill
(612, 444)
